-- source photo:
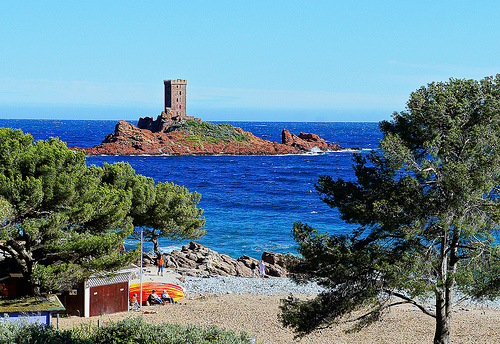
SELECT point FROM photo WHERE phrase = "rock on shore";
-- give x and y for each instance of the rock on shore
(198, 260)
(165, 136)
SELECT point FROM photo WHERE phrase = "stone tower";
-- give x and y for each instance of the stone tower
(175, 97)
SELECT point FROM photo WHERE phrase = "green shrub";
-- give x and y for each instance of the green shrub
(136, 331)
(8, 331)
(126, 331)
(207, 132)
(129, 331)
(41, 334)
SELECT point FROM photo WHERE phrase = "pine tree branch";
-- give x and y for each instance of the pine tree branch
(7, 248)
(408, 300)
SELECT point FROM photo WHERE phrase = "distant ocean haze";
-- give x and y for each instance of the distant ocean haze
(250, 202)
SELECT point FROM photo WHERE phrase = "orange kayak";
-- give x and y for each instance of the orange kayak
(176, 292)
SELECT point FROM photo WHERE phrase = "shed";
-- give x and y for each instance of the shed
(100, 294)
(12, 281)
(30, 309)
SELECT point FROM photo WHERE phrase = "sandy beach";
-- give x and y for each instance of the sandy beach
(257, 314)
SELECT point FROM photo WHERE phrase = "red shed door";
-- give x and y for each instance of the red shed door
(107, 299)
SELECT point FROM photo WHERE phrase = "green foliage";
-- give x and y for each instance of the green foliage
(428, 209)
(6, 210)
(163, 210)
(211, 133)
(64, 221)
(137, 331)
(128, 331)
(351, 278)
(35, 333)
(8, 331)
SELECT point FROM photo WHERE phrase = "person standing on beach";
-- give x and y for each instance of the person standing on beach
(262, 268)
(161, 262)
(253, 266)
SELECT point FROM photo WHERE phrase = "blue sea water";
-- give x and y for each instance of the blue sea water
(250, 202)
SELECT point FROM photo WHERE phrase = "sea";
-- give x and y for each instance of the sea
(250, 203)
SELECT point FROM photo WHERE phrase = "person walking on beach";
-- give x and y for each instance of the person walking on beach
(160, 264)
(262, 268)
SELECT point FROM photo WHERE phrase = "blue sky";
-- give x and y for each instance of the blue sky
(244, 61)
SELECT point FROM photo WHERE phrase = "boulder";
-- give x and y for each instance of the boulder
(275, 264)
(249, 262)
(276, 271)
(307, 142)
(147, 259)
(273, 258)
(198, 260)
(314, 141)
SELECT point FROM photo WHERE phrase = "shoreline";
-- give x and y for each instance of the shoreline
(257, 314)
(307, 153)
(194, 283)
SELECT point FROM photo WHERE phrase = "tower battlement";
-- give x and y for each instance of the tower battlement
(177, 81)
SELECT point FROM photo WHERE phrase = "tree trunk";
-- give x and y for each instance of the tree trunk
(443, 294)
(442, 333)
(156, 245)
(33, 286)
(23, 256)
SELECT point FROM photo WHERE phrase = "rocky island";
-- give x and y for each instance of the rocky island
(165, 136)
(175, 133)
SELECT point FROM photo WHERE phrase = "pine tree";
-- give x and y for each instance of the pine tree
(63, 221)
(427, 207)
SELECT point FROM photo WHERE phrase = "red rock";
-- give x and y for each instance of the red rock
(159, 138)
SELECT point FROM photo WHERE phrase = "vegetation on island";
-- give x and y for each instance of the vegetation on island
(428, 209)
(63, 221)
(206, 132)
(131, 331)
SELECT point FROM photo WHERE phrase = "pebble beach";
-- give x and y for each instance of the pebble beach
(237, 285)
(251, 305)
